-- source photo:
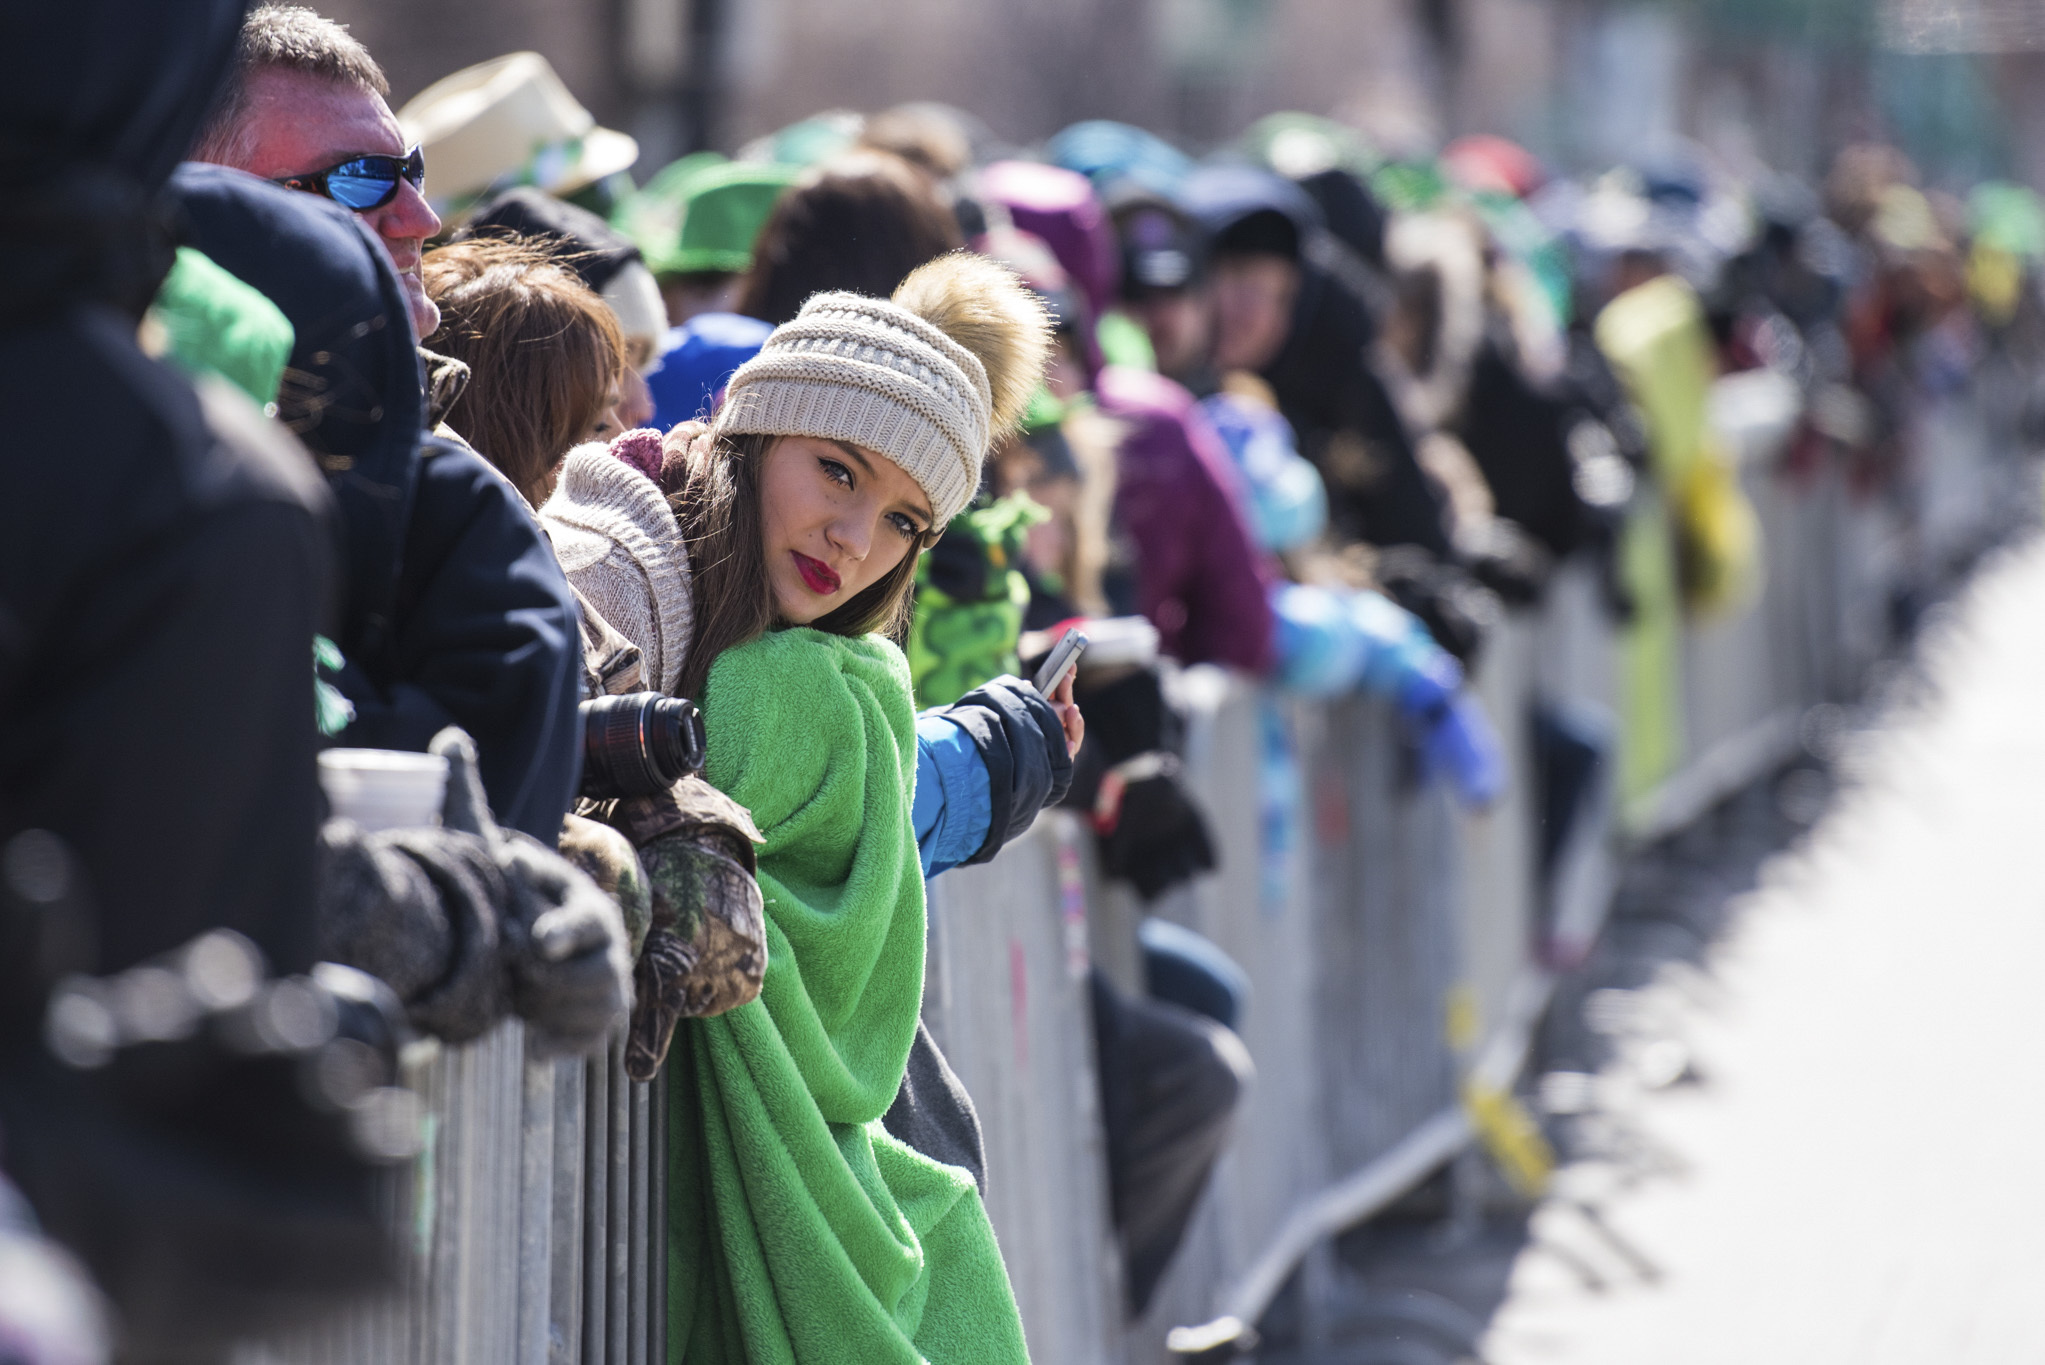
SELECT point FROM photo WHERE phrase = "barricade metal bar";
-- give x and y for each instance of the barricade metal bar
(596, 1213)
(617, 1130)
(536, 1215)
(1733, 763)
(564, 1283)
(638, 1251)
(656, 1221)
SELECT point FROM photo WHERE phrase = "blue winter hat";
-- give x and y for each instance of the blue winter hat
(1114, 155)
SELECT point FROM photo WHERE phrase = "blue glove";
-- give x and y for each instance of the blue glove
(1330, 642)
(1457, 742)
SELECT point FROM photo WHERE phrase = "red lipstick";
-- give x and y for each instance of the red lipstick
(816, 574)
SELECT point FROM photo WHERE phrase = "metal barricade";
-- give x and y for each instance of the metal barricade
(533, 1224)
(1006, 997)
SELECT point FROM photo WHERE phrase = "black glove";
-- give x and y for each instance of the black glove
(214, 1144)
(1022, 743)
(1505, 559)
(1151, 835)
(1455, 609)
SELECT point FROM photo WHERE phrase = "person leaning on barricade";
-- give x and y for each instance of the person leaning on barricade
(454, 612)
(195, 1113)
(985, 765)
(353, 355)
(802, 1227)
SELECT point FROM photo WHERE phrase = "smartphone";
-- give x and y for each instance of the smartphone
(1064, 658)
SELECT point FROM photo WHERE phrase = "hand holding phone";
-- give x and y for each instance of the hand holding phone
(1063, 659)
(1054, 682)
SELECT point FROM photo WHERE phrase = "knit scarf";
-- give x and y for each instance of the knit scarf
(799, 1229)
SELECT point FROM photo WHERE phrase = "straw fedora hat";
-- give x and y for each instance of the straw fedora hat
(509, 121)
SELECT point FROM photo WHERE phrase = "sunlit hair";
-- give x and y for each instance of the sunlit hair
(282, 38)
(544, 353)
(719, 510)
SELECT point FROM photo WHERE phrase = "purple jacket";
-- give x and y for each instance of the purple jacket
(1200, 578)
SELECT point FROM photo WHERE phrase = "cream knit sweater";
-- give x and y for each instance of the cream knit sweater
(618, 542)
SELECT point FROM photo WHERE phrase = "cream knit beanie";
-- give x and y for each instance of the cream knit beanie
(928, 379)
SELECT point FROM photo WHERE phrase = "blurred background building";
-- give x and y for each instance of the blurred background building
(1781, 83)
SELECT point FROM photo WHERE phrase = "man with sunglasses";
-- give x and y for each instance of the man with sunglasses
(308, 111)
(482, 630)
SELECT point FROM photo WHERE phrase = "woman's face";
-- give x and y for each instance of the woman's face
(835, 519)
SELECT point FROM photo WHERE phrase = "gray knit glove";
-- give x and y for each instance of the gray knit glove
(564, 939)
(419, 908)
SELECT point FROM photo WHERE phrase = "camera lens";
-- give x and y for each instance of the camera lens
(638, 744)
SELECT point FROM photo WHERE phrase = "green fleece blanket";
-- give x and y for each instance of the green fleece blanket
(799, 1230)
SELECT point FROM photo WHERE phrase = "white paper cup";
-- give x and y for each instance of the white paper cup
(384, 788)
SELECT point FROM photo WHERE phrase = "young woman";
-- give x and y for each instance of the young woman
(801, 1228)
(545, 355)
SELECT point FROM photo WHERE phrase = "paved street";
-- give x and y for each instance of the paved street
(1851, 1166)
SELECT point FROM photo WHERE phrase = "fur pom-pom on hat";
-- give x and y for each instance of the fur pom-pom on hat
(985, 307)
(929, 378)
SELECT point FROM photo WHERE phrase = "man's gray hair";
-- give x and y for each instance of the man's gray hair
(288, 38)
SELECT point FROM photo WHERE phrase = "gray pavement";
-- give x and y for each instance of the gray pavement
(1817, 1133)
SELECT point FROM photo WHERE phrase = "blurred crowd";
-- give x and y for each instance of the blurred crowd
(345, 429)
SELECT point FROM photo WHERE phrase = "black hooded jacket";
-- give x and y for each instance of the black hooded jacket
(1323, 377)
(454, 609)
(163, 559)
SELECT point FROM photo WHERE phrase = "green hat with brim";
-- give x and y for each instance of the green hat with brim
(652, 215)
(723, 209)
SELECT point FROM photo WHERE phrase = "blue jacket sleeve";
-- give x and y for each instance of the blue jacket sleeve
(486, 637)
(953, 806)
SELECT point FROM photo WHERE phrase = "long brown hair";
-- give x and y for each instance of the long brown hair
(718, 508)
(544, 352)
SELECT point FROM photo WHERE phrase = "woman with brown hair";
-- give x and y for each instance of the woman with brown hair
(544, 354)
(804, 1224)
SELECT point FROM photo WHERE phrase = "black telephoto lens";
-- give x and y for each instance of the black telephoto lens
(639, 744)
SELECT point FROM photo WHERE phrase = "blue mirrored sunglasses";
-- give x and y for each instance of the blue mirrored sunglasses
(363, 183)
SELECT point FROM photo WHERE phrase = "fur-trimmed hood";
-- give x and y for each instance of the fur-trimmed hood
(1430, 341)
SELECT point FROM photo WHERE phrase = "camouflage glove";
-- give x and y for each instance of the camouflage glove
(705, 950)
(607, 858)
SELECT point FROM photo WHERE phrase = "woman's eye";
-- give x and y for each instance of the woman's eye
(838, 473)
(908, 528)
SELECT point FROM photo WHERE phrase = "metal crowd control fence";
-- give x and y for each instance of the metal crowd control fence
(1399, 950)
(535, 1218)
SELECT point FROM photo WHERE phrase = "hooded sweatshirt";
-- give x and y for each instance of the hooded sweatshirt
(163, 560)
(1200, 580)
(453, 611)
(1322, 375)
